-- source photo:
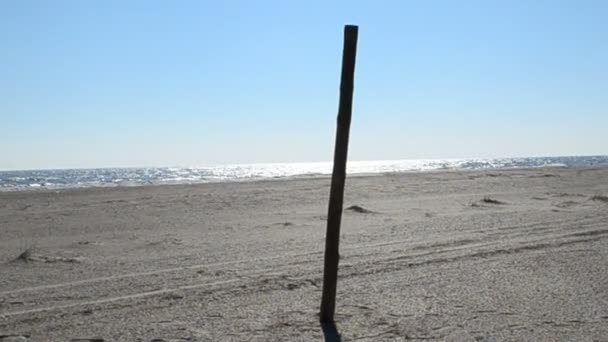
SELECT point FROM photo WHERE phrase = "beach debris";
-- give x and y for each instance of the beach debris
(359, 209)
(87, 339)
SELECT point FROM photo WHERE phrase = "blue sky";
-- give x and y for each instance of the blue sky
(164, 83)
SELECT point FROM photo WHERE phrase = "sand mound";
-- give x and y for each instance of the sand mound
(492, 201)
(359, 209)
(29, 255)
(487, 200)
(600, 198)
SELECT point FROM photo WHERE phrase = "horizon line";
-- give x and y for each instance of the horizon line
(286, 162)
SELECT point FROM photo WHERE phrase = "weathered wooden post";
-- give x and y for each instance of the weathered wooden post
(336, 196)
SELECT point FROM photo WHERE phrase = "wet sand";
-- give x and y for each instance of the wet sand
(501, 255)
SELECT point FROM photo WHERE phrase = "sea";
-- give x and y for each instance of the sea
(101, 177)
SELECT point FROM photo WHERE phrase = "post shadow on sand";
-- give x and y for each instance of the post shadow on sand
(330, 332)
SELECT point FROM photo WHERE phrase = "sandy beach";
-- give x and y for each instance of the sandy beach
(500, 255)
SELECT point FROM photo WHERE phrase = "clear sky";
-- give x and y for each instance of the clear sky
(193, 83)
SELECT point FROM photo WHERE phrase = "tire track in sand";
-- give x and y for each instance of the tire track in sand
(577, 237)
(273, 257)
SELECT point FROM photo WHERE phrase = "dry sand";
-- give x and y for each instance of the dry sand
(432, 260)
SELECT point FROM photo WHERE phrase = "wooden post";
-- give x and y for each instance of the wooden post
(336, 196)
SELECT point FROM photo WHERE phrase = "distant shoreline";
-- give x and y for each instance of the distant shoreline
(70, 188)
